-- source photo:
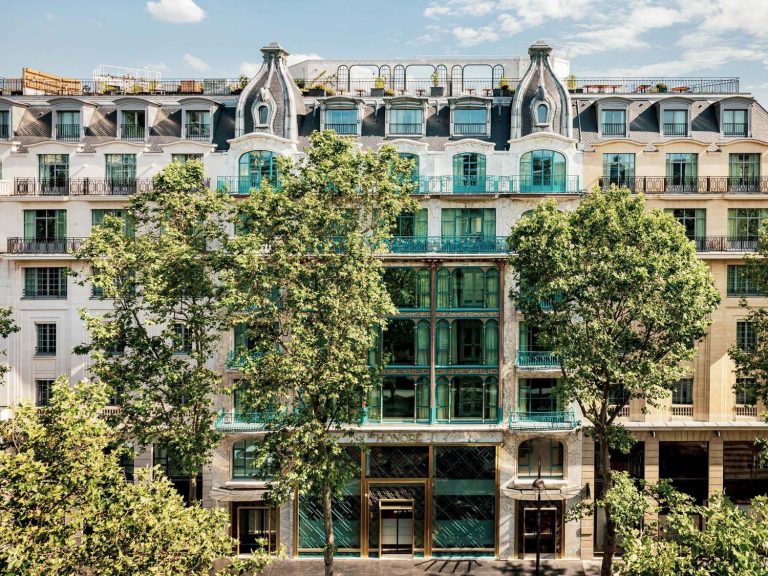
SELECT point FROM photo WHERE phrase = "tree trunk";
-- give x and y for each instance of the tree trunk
(192, 488)
(610, 527)
(330, 541)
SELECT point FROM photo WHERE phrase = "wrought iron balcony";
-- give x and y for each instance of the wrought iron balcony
(542, 421)
(237, 359)
(242, 421)
(242, 184)
(735, 129)
(54, 293)
(689, 184)
(725, 244)
(537, 360)
(399, 128)
(343, 129)
(68, 132)
(614, 129)
(5, 132)
(448, 245)
(436, 185)
(198, 131)
(132, 132)
(56, 246)
(473, 129)
(675, 129)
(82, 186)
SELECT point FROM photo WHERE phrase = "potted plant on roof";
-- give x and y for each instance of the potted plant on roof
(378, 86)
(241, 83)
(661, 87)
(504, 88)
(436, 90)
(570, 81)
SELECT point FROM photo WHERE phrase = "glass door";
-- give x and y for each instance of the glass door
(549, 519)
(53, 173)
(256, 529)
(396, 527)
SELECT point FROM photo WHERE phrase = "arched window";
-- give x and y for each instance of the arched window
(468, 173)
(542, 114)
(254, 166)
(263, 114)
(244, 460)
(542, 171)
(549, 452)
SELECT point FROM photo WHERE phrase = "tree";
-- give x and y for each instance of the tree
(68, 509)
(155, 346)
(7, 327)
(306, 282)
(626, 298)
(727, 540)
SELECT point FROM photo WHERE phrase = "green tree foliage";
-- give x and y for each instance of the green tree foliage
(155, 345)
(729, 541)
(68, 509)
(306, 281)
(7, 327)
(628, 300)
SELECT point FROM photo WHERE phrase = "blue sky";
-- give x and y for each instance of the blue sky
(195, 38)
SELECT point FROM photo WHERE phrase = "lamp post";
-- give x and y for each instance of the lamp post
(538, 486)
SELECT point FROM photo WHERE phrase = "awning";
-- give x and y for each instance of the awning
(229, 495)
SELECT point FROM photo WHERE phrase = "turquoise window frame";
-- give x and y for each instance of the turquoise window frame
(254, 166)
(543, 171)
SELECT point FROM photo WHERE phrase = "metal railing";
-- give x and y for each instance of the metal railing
(735, 129)
(613, 129)
(57, 246)
(537, 360)
(81, 186)
(132, 132)
(654, 85)
(242, 184)
(474, 129)
(448, 245)
(346, 128)
(198, 131)
(236, 360)
(562, 420)
(242, 421)
(5, 132)
(681, 410)
(421, 87)
(725, 244)
(117, 85)
(700, 184)
(675, 129)
(51, 293)
(399, 128)
(68, 132)
(434, 185)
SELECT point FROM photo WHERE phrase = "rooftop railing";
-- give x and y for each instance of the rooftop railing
(122, 86)
(420, 87)
(562, 420)
(448, 245)
(690, 184)
(727, 85)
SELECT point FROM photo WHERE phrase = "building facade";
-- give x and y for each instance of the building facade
(468, 404)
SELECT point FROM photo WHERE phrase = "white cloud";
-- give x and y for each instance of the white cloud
(48, 16)
(296, 58)
(159, 66)
(176, 11)
(434, 10)
(472, 36)
(196, 63)
(249, 68)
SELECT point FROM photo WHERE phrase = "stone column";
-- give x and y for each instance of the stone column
(587, 528)
(652, 459)
(715, 465)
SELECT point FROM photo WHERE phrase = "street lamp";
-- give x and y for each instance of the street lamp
(538, 487)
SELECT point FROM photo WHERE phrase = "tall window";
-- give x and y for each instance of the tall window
(745, 392)
(245, 461)
(183, 338)
(121, 173)
(746, 338)
(46, 339)
(743, 172)
(410, 225)
(735, 123)
(538, 395)
(467, 397)
(45, 225)
(409, 288)
(341, 120)
(542, 114)
(98, 215)
(53, 170)
(619, 169)
(254, 166)
(133, 125)
(198, 124)
(406, 343)
(43, 392)
(415, 159)
(5, 127)
(45, 283)
(467, 342)
(681, 172)
(613, 123)
(542, 171)
(469, 173)
(675, 122)
(467, 288)
(548, 452)
(682, 391)
(740, 284)
(744, 226)
(469, 121)
(405, 121)
(468, 222)
(694, 220)
(68, 125)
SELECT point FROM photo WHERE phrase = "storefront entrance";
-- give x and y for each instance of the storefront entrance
(551, 529)
(256, 527)
(395, 527)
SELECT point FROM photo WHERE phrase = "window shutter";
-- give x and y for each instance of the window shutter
(30, 282)
(29, 224)
(448, 218)
(523, 337)
(458, 164)
(61, 224)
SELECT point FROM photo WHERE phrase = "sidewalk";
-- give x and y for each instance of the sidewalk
(433, 567)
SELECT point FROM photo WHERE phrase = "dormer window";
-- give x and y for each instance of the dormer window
(341, 120)
(133, 126)
(405, 121)
(5, 125)
(198, 125)
(735, 123)
(470, 121)
(614, 123)
(542, 113)
(68, 125)
(675, 123)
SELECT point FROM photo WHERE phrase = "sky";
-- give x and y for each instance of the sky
(221, 38)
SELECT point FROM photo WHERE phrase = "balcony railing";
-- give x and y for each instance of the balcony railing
(132, 132)
(675, 129)
(47, 294)
(420, 87)
(614, 129)
(398, 128)
(5, 132)
(68, 132)
(725, 244)
(537, 360)
(198, 131)
(448, 245)
(681, 410)
(690, 185)
(241, 184)
(542, 421)
(242, 421)
(82, 186)
(344, 129)
(435, 185)
(734, 129)
(745, 410)
(236, 360)
(59, 246)
(473, 129)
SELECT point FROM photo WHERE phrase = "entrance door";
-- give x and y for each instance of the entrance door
(549, 521)
(256, 529)
(396, 527)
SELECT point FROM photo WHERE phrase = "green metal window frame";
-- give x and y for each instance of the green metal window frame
(184, 158)
(694, 220)
(619, 169)
(745, 391)
(376, 405)
(245, 461)
(682, 392)
(739, 283)
(744, 168)
(469, 172)
(45, 282)
(448, 341)
(452, 290)
(456, 401)
(527, 398)
(410, 225)
(45, 225)
(46, 338)
(682, 168)
(543, 171)
(745, 223)
(552, 465)
(98, 215)
(468, 222)
(254, 166)
(746, 337)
